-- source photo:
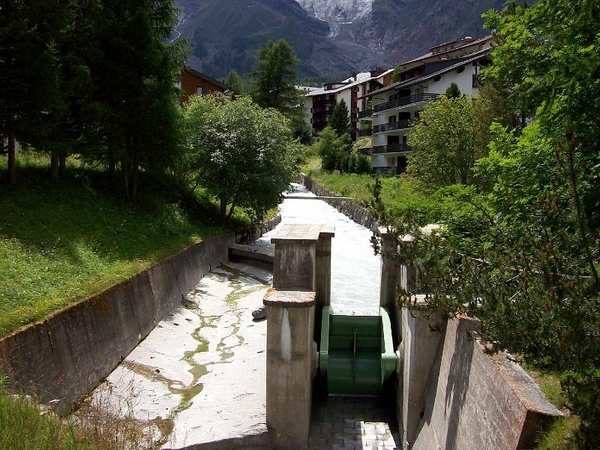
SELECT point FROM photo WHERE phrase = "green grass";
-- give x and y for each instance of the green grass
(560, 435)
(23, 427)
(62, 242)
(398, 193)
(26, 425)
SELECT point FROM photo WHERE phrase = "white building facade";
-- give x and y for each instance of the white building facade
(320, 102)
(419, 81)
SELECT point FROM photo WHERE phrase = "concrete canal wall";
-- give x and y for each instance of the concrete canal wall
(357, 213)
(63, 357)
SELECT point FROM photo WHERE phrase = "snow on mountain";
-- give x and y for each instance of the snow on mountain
(337, 11)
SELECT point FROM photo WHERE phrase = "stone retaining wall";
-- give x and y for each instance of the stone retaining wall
(63, 357)
(357, 213)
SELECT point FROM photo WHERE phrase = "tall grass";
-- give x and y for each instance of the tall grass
(398, 193)
(27, 425)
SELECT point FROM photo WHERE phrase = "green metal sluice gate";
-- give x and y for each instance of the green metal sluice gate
(356, 353)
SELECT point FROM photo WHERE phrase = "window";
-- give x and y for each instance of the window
(199, 90)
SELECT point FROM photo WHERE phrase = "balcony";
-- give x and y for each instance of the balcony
(406, 101)
(367, 113)
(390, 148)
(392, 126)
(321, 102)
(365, 133)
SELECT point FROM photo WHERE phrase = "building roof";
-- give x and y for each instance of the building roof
(207, 78)
(438, 50)
(347, 83)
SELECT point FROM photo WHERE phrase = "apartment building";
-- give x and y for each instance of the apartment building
(320, 102)
(416, 83)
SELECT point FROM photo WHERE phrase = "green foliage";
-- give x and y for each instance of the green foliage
(274, 77)
(25, 424)
(235, 82)
(331, 148)
(447, 140)
(244, 155)
(30, 97)
(22, 427)
(94, 79)
(340, 119)
(521, 254)
(453, 91)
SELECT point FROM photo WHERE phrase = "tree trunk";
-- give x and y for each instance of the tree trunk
(134, 157)
(62, 164)
(12, 159)
(54, 163)
(223, 209)
(112, 165)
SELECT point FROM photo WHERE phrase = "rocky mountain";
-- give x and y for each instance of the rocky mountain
(332, 38)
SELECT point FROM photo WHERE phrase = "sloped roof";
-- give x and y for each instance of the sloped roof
(416, 80)
(348, 83)
(207, 78)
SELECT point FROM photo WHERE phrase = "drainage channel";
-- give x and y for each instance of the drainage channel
(199, 378)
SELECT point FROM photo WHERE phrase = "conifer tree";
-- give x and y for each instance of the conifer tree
(274, 77)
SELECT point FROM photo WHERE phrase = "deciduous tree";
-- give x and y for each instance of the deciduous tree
(447, 140)
(243, 154)
(522, 256)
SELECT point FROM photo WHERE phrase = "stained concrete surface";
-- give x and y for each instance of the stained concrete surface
(199, 377)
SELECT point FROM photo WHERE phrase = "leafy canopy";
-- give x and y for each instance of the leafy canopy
(243, 154)
(447, 140)
(522, 253)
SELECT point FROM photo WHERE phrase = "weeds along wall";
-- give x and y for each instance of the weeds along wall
(60, 359)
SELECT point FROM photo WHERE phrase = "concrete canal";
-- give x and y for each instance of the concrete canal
(198, 380)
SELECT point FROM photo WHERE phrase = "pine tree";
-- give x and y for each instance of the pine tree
(235, 82)
(340, 119)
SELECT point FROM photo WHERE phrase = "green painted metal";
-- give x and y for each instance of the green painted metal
(356, 352)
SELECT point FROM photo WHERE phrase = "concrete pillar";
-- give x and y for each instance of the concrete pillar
(422, 339)
(390, 279)
(302, 262)
(390, 269)
(323, 266)
(408, 273)
(291, 363)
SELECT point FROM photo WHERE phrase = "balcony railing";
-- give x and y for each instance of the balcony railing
(390, 148)
(325, 102)
(365, 113)
(391, 126)
(405, 101)
(363, 133)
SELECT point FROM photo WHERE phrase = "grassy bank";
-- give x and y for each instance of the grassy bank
(398, 193)
(62, 241)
